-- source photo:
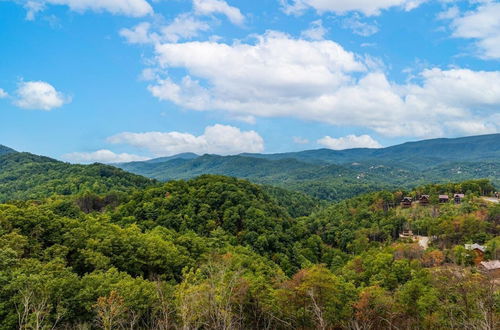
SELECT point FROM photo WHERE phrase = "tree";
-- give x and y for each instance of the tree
(315, 298)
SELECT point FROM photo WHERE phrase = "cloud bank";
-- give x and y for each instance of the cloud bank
(349, 142)
(102, 156)
(217, 139)
(321, 81)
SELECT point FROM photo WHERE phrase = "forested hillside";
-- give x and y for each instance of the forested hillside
(336, 175)
(5, 150)
(472, 148)
(27, 176)
(221, 253)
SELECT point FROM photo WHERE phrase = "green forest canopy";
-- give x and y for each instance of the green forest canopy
(217, 252)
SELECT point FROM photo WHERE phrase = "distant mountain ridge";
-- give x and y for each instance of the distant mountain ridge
(457, 149)
(6, 150)
(331, 174)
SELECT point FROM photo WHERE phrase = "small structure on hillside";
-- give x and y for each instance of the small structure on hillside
(424, 200)
(492, 268)
(406, 202)
(458, 198)
(407, 233)
(444, 198)
(478, 250)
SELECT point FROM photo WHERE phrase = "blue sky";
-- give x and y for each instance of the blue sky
(114, 80)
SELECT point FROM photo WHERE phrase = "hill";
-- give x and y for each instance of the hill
(219, 253)
(5, 150)
(28, 176)
(335, 175)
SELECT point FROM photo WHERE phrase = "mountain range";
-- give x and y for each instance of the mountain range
(333, 175)
(322, 174)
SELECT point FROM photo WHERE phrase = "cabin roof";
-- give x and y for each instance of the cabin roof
(475, 246)
(459, 195)
(491, 265)
(443, 197)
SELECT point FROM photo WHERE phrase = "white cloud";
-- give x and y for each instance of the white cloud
(3, 94)
(316, 31)
(450, 13)
(217, 139)
(133, 8)
(39, 95)
(320, 81)
(349, 142)
(139, 34)
(367, 7)
(32, 8)
(482, 25)
(209, 7)
(102, 156)
(184, 26)
(355, 24)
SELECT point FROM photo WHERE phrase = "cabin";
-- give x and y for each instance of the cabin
(478, 250)
(406, 202)
(444, 198)
(424, 200)
(407, 233)
(491, 268)
(458, 198)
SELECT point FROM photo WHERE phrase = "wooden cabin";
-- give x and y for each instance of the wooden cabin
(458, 198)
(491, 268)
(478, 250)
(406, 202)
(424, 200)
(444, 198)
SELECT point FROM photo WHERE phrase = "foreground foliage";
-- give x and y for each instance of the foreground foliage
(221, 253)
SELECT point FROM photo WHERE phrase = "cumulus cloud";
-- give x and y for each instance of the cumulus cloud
(102, 156)
(39, 95)
(321, 81)
(184, 26)
(209, 7)
(3, 94)
(316, 31)
(482, 25)
(132, 8)
(349, 142)
(367, 7)
(217, 139)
